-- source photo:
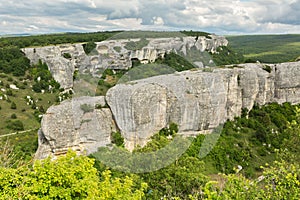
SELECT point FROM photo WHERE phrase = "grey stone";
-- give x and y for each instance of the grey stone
(69, 126)
(198, 101)
(113, 54)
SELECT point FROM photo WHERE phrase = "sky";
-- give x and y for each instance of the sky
(223, 17)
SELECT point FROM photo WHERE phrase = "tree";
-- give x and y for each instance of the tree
(88, 47)
(68, 177)
(13, 105)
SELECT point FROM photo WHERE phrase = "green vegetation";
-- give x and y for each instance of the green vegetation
(117, 139)
(67, 55)
(255, 136)
(147, 34)
(108, 79)
(53, 39)
(68, 177)
(176, 62)
(197, 34)
(117, 49)
(136, 45)
(267, 48)
(266, 136)
(86, 108)
(172, 129)
(12, 60)
(89, 47)
(21, 100)
(263, 141)
(226, 55)
(43, 78)
(16, 125)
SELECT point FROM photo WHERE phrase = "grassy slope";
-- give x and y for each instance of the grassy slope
(24, 112)
(267, 48)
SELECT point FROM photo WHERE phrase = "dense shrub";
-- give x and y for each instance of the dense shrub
(89, 47)
(15, 125)
(117, 139)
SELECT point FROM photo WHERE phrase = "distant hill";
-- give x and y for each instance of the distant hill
(267, 48)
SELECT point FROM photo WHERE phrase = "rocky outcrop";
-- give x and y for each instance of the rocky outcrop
(114, 54)
(75, 124)
(198, 101)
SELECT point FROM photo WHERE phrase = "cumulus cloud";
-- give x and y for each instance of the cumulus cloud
(219, 16)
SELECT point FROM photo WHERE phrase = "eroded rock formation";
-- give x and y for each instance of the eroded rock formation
(113, 54)
(75, 124)
(197, 101)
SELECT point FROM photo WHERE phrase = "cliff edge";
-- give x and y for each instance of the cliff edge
(198, 101)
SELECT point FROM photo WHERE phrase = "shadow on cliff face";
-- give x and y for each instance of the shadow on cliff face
(185, 53)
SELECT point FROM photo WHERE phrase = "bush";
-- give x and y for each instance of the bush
(13, 116)
(88, 47)
(267, 68)
(67, 177)
(13, 105)
(15, 125)
(171, 130)
(67, 55)
(9, 92)
(117, 139)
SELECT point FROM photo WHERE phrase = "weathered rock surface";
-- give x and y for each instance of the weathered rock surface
(197, 101)
(74, 124)
(113, 54)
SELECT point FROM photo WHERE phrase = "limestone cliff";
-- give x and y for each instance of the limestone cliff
(113, 54)
(76, 125)
(196, 100)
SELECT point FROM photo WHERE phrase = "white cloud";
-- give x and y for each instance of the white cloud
(219, 16)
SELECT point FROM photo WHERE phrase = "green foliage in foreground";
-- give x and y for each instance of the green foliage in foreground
(250, 141)
(279, 181)
(68, 177)
(188, 177)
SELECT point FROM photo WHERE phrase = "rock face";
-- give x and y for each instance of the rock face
(76, 125)
(197, 101)
(113, 54)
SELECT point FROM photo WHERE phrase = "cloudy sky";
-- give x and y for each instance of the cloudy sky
(216, 16)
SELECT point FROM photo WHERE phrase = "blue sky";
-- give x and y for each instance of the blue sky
(217, 16)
